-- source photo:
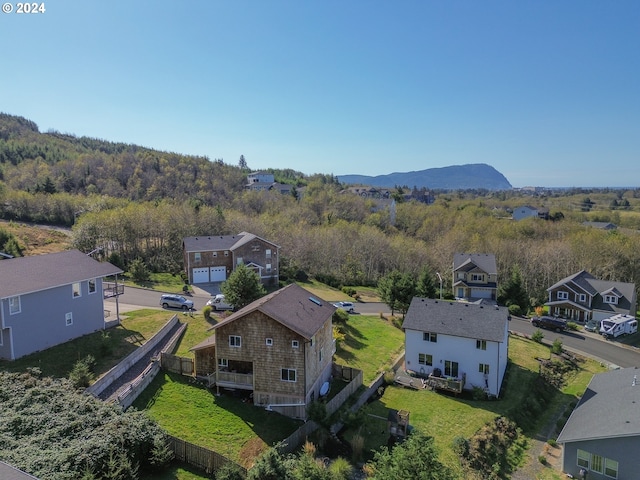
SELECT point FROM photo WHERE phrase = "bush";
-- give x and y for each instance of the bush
(542, 459)
(552, 442)
(573, 326)
(206, 311)
(349, 291)
(537, 336)
(341, 469)
(139, 271)
(515, 310)
(460, 446)
(557, 346)
(82, 374)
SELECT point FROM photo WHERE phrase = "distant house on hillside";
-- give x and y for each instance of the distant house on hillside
(602, 436)
(46, 300)
(601, 225)
(583, 297)
(262, 181)
(212, 258)
(459, 340)
(475, 276)
(527, 211)
(279, 347)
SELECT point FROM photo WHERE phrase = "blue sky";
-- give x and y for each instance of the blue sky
(547, 92)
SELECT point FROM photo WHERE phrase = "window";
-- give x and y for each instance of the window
(563, 296)
(295, 343)
(215, 254)
(288, 375)
(68, 319)
(481, 344)
(583, 458)
(610, 468)
(476, 277)
(610, 299)
(596, 463)
(269, 342)
(582, 298)
(197, 257)
(320, 355)
(267, 253)
(226, 253)
(430, 337)
(235, 341)
(76, 289)
(92, 285)
(425, 359)
(268, 268)
(223, 363)
(450, 368)
(14, 305)
(484, 368)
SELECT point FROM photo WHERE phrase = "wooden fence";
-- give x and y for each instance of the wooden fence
(175, 364)
(198, 456)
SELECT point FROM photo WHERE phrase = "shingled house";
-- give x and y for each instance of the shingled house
(212, 258)
(280, 347)
(475, 276)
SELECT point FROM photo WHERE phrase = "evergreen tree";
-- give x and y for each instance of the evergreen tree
(242, 287)
(426, 287)
(512, 291)
(397, 290)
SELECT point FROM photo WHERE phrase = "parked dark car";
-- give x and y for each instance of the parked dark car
(550, 323)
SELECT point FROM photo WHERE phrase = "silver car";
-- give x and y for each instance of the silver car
(176, 301)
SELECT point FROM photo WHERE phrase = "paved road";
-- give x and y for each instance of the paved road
(591, 344)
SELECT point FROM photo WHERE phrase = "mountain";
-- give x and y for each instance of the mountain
(455, 177)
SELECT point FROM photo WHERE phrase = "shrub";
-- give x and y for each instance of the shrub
(573, 326)
(82, 374)
(557, 346)
(206, 311)
(230, 471)
(349, 291)
(460, 446)
(515, 310)
(537, 336)
(542, 459)
(139, 271)
(341, 469)
(478, 393)
(106, 347)
(552, 442)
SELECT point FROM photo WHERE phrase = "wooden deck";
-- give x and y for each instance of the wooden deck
(449, 384)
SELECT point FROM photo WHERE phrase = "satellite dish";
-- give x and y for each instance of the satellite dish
(324, 389)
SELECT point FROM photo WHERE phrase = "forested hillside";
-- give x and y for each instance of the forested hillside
(134, 202)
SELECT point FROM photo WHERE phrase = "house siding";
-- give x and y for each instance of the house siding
(255, 252)
(41, 323)
(464, 352)
(623, 450)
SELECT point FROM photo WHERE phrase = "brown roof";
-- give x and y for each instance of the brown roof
(292, 306)
(209, 342)
(23, 275)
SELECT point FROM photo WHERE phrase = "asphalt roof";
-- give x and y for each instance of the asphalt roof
(292, 306)
(484, 261)
(459, 319)
(7, 472)
(608, 408)
(218, 242)
(23, 275)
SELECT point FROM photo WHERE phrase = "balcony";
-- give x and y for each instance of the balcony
(228, 379)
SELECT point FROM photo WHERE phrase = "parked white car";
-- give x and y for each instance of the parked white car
(346, 306)
(218, 303)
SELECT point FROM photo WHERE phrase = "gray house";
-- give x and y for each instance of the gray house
(475, 276)
(602, 435)
(46, 300)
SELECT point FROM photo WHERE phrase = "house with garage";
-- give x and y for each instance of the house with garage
(46, 300)
(458, 340)
(601, 438)
(582, 297)
(279, 348)
(475, 276)
(212, 258)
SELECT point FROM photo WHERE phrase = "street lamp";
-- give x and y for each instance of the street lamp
(440, 278)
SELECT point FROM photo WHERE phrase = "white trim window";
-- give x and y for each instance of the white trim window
(288, 374)
(235, 341)
(68, 319)
(425, 359)
(295, 344)
(563, 295)
(429, 337)
(610, 468)
(223, 363)
(14, 305)
(197, 257)
(92, 286)
(583, 459)
(611, 299)
(76, 288)
(481, 344)
(269, 342)
(582, 298)
(483, 368)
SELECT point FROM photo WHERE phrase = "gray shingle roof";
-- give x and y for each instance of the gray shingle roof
(484, 261)
(292, 306)
(209, 243)
(23, 275)
(608, 408)
(457, 319)
(7, 472)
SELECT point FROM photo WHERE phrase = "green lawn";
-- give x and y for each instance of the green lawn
(371, 345)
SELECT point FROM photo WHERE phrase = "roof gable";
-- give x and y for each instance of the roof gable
(484, 261)
(23, 275)
(209, 243)
(459, 319)
(292, 306)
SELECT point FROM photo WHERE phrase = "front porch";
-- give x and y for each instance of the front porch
(569, 311)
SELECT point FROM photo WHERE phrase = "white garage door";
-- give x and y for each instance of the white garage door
(218, 274)
(480, 293)
(200, 275)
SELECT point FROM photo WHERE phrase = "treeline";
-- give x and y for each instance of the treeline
(339, 238)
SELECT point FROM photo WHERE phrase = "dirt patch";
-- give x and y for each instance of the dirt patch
(252, 450)
(38, 239)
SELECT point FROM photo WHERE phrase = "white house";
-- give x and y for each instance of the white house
(524, 212)
(459, 340)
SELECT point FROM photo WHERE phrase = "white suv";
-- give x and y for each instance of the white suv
(346, 306)
(176, 301)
